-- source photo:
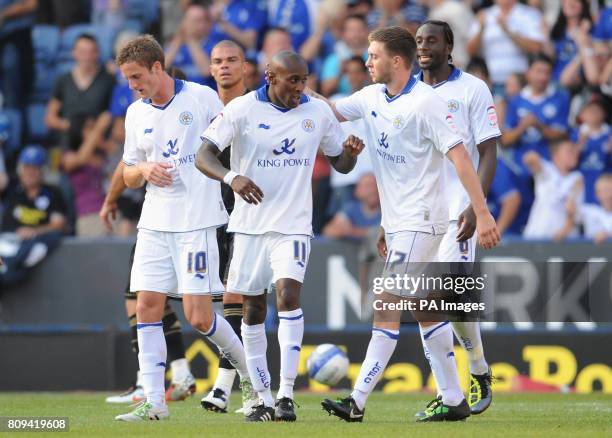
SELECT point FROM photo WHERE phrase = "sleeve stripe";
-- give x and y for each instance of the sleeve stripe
(449, 147)
(127, 163)
(203, 137)
(497, 135)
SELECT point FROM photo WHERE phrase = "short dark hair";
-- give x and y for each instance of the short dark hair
(359, 17)
(144, 50)
(478, 63)
(541, 57)
(85, 36)
(449, 37)
(397, 41)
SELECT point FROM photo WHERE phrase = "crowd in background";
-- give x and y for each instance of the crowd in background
(547, 63)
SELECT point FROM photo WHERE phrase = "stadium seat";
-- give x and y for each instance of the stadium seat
(44, 80)
(13, 142)
(146, 10)
(37, 130)
(46, 42)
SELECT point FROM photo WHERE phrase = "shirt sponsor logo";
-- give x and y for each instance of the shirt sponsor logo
(382, 141)
(287, 162)
(285, 148)
(172, 148)
(186, 118)
(492, 116)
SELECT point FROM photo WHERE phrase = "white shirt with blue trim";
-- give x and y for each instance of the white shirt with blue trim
(171, 134)
(471, 104)
(276, 148)
(407, 138)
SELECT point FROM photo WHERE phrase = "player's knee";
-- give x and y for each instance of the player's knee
(254, 311)
(201, 321)
(287, 299)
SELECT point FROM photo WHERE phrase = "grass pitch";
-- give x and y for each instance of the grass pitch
(387, 415)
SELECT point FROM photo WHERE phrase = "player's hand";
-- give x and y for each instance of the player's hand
(466, 224)
(108, 210)
(488, 234)
(353, 145)
(381, 244)
(247, 189)
(157, 173)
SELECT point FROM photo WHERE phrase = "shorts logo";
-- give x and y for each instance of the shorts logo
(186, 118)
(492, 116)
(308, 125)
(197, 262)
(398, 122)
(453, 106)
(285, 147)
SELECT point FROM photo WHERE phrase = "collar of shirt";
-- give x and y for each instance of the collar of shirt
(178, 86)
(262, 95)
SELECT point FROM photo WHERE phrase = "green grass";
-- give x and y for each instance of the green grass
(387, 415)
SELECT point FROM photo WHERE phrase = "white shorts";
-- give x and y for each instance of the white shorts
(410, 253)
(457, 252)
(177, 263)
(259, 260)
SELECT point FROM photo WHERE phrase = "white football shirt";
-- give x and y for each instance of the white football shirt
(407, 138)
(471, 104)
(275, 148)
(595, 219)
(172, 134)
(548, 212)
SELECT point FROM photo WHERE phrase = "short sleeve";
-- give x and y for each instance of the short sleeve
(221, 129)
(132, 155)
(504, 182)
(58, 88)
(439, 125)
(352, 107)
(331, 143)
(57, 205)
(483, 117)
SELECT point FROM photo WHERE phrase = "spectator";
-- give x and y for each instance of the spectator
(594, 143)
(460, 17)
(357, 217)
(602, 33)
(505, 34)
(238, 20)
(33, 208)
(573, 21)
(252, 78)
(538, 114)
(84, 91)
(275, 40)
(33, 219)
(84, 165)
(584, 65)
(514, 84)
(16, 54)
(354, 42)
(597, 219)
(504, 200)
(190, 48)
(405, 13)
(557, 188)
(299, 17)
(3, 174)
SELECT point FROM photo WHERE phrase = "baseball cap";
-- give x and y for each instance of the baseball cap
(33, 155)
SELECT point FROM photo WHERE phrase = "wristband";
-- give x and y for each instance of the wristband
(229, 177)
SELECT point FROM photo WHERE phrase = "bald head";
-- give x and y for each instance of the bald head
(289, 62)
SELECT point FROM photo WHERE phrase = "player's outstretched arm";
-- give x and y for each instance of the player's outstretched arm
(488, 235)
(310, 92)
(208, 163)
(487, 151)
(345, 162)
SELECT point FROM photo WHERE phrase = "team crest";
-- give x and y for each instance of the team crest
(453, 106)
(308, 125)
(549, 110)
(397, 122)
(186, 118)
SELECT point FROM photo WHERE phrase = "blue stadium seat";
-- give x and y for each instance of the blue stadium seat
(37, 130)
(45, 76)
(46, 42)
(103, 35)
(146, 10)
(13, 142)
